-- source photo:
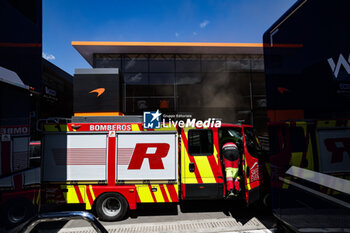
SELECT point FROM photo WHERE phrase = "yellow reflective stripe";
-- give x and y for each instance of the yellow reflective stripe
(71, 195)
(204, 169)
(176, 189)
(309, 156)
(38, 197)
(50, 128)
(85, 197)
(158, 194)
(135, 127)
(82, 189)
(231, 172)
(268, 168)
(332, 123)
(144, 193)
(167, 193)
(296, 158)
(247, 182)
(53, 128)
(92, 192)
(286, 182)
(216, 155)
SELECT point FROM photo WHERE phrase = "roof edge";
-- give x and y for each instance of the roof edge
(193, 44)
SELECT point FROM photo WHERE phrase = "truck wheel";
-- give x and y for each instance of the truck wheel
(267, 200)
(17, 211)
(111, 207)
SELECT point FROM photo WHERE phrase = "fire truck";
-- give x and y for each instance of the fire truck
(112, 164)
(306, 54)
(109, 163)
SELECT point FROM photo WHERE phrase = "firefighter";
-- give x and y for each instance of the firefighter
(230, 154)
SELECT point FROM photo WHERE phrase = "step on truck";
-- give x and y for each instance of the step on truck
(114, 164)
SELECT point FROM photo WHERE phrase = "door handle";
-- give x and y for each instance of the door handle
(191, 167)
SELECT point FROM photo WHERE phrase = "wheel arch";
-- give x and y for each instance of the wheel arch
(128, 192)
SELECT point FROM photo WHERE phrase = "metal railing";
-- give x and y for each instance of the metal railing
(64, 216)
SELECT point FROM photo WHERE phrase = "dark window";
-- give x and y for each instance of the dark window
(162, 90)
(107, 61)
(238, 64)
(188, 78)
(139, 91)
(297, 139)
(188, 63)
(186, 98)
(162, 63)
(162, 78)
(233, 134)
(136, 78)
(135, 63)
(251, 141)
(200, 142)
(213, 63)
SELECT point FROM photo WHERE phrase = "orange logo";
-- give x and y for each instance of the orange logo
(99, 91)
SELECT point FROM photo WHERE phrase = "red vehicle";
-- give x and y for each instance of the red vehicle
(114, 166)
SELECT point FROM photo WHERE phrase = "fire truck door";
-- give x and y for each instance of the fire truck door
(201, 176)
(250, 166)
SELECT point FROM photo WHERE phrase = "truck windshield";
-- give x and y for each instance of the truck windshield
(252, 143)
(230, 134)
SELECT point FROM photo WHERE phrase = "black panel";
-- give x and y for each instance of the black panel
(14, 105)
(108, 101)
(299, 74)
(21, 37)
(204, 191)
(253, 195)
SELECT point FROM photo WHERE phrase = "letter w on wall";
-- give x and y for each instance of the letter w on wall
(341, 62)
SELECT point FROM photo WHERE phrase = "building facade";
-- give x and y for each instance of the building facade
(205, 80)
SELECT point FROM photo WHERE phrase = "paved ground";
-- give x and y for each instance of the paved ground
(195, 216)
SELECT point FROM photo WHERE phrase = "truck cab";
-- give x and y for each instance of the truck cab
(202, 170)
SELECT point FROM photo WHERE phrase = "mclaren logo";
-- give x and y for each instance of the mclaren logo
(99, 91)
(341, 62)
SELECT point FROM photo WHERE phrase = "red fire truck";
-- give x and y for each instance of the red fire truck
(113, 166)
(110, 163)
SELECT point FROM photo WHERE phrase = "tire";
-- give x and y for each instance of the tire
(17, 211)
(266, 200)
(111, 207)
